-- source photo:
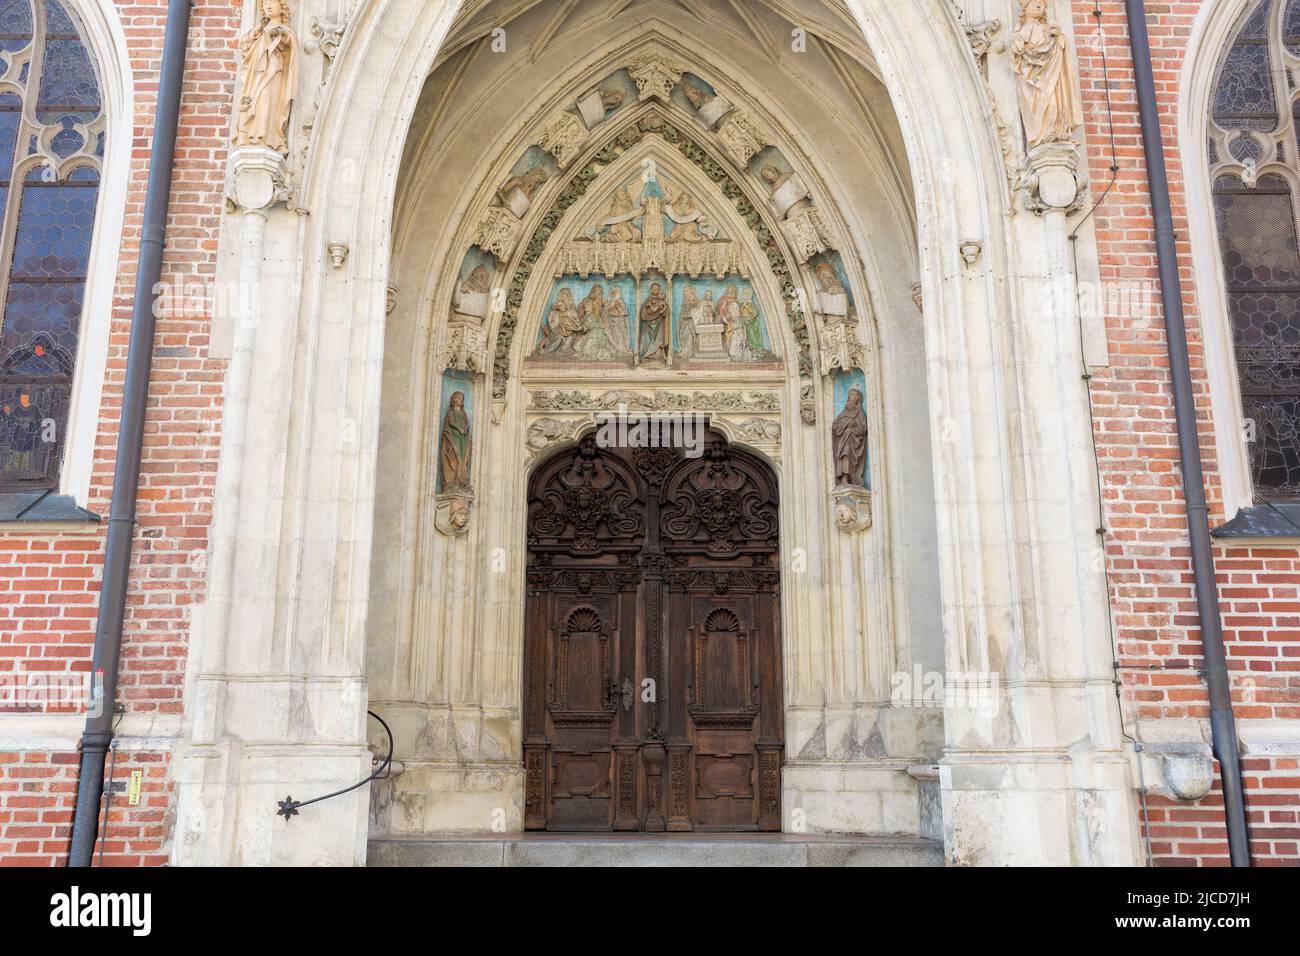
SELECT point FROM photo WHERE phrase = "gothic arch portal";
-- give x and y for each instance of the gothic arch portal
(968, 383)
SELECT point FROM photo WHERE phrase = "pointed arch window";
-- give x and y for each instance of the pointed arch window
(51, 156)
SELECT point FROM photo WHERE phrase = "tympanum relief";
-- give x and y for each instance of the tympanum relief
(653, 283)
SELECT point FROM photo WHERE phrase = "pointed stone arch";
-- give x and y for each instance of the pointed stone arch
(285, 673)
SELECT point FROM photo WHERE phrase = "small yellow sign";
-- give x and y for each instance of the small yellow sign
(133, 794)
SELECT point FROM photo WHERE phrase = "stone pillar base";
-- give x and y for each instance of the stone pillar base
(228, 794)
(1039, 809)
(449, 797)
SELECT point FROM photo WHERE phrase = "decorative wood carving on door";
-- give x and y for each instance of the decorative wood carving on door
(652, 685)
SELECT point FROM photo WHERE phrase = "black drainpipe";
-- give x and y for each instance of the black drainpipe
(1223, 729)
(98, 733)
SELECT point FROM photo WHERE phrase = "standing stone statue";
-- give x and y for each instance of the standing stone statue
(849, 442)
(268, 57)
(455, 445)
(1045, 80)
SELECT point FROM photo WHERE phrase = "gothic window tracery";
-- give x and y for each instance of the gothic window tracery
(1254, 160)
(51, 154)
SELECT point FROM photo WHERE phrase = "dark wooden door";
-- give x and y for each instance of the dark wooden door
(652, 652)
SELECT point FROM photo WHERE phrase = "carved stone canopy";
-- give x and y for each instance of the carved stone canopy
(840, 348)
(655, 75)
(497, 232)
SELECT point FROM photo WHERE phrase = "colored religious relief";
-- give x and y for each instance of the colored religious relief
(653, 281)
(785, 188)
(718, 320)
(606, 98)
(473, 293)
(834, 300)
(849, 444)
(590, 319)
(534, 168)
(695, 95)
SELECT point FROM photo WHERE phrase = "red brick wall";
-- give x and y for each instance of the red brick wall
(1147, 550)
(49, 581)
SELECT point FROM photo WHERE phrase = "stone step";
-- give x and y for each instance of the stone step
(658, 849)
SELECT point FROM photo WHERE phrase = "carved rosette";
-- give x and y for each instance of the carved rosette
(563, 137)
(465, 350)
(498, 232)
(655, 75)
(741, 138)
(808, 233)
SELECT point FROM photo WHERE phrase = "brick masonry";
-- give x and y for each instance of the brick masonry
(49, 581)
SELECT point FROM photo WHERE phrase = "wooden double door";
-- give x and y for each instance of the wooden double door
(652, 684)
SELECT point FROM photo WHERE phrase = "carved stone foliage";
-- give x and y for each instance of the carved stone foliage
(575, 189)
(718, 502)
(655, 75)
(655, 401)
(592, 500)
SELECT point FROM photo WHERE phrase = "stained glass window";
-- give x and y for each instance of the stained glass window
(1255, 164)
(51, 153)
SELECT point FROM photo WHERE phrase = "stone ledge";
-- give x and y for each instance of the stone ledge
(639, 849)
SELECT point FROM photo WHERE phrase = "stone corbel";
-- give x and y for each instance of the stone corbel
(497, 233)
(451, 512)
(327, 35)
(563, 137)
(970, 250)
(741, 138)
(390, 299)
(840, 348)
(465, 349)
(655, 75)
(981, 36)
(918, 297)
(851, 506)
(259, 180)
(338, 253)
(1051, 178)
(808, 233)
(808, 404)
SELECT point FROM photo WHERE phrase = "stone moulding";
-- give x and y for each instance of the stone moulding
(659, 400)
(576, 188)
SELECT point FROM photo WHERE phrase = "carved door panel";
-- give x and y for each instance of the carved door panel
(652, 652)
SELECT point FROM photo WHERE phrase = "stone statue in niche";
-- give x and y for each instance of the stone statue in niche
(849, 442)
(1045, 80)
(268, 56)
(455, 446)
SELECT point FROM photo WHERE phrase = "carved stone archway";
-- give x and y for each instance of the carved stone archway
(277, 685)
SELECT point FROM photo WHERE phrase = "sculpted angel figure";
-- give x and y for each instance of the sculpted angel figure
(1045, 81)
(268, 57)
